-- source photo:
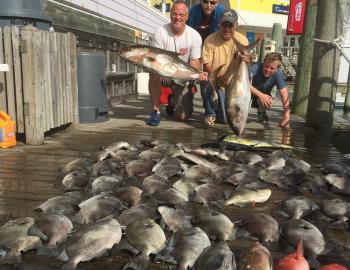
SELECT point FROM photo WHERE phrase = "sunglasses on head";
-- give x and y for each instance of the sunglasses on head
(213, 3)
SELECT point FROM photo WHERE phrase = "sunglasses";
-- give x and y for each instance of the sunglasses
(213, 3)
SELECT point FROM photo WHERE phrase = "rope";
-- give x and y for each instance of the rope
(328, 42)
(335, 43)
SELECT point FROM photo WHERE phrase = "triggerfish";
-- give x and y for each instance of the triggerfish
(294, 261)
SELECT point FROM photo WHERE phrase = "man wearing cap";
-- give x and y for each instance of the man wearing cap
(205, 16)
(219, 51)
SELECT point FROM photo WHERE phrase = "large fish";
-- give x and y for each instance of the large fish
(165, 63)
(237, 94)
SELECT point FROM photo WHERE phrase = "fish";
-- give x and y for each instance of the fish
(295, 230)
(165, 63)
(217, 257)
(175, 218)
(256, 257)
(129, 195)
(297, 207)
(237, 94)
(245, 197)
(66, 204)
(340, 183)
(294, 260)
(206, 193)
(239, 142)
(14, 240)
(104, 183)
(98, 207)
(186, 246)
(262, 226)
(75, 179)
(137, 212)
(147, 237)
(217, 226)
(336, 208)
(53, 228)
(90, 242)
(154, 183)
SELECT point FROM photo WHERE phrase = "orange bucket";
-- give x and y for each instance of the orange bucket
(7, 131)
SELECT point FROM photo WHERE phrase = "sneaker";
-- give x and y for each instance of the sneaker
(262, 116)
(154, 119)
(209, 120)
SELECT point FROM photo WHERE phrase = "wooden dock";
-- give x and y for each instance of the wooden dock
(29, 174)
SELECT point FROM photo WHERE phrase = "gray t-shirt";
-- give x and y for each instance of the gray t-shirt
(188, 45)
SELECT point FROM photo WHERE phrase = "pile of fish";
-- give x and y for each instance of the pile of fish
(193, 207)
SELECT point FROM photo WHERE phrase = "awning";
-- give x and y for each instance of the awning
(260, 20)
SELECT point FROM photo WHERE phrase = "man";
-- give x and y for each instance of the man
(204, 17)
(183, 39)
(219, 51)
(266, 75)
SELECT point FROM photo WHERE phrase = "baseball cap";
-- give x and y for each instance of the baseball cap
(229, 15)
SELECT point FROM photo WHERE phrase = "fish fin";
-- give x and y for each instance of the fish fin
(300, 249)
(313, 262)
(35, 231)
(139, 262)
(123, 245)
(62, 256)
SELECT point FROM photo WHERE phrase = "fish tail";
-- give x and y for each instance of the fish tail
(242, 48)
(313, 262)
(140, 262)
(35, 231)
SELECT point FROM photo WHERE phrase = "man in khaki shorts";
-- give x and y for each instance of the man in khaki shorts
(184, 40)
(219, 50)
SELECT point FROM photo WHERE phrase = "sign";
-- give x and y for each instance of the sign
(251, 37)
(280, 9)
(296, 16)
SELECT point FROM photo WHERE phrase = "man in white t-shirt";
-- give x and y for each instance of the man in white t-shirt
(181, 38)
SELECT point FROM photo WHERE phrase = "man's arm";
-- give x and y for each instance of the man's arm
(286, 110)
(196, 63)
(265, 100)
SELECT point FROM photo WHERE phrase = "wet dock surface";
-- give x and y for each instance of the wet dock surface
(29, 175)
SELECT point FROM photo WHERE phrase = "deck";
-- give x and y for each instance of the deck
(29, 175)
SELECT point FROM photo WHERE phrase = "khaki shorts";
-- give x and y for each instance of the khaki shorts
(182, 100)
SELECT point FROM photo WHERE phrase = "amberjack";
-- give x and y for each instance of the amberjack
(237, 94)
(294, 261)
(165, 63)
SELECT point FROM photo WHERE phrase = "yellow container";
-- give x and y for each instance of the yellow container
(7, 131)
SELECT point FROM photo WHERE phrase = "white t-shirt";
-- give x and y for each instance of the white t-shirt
(188, 45)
